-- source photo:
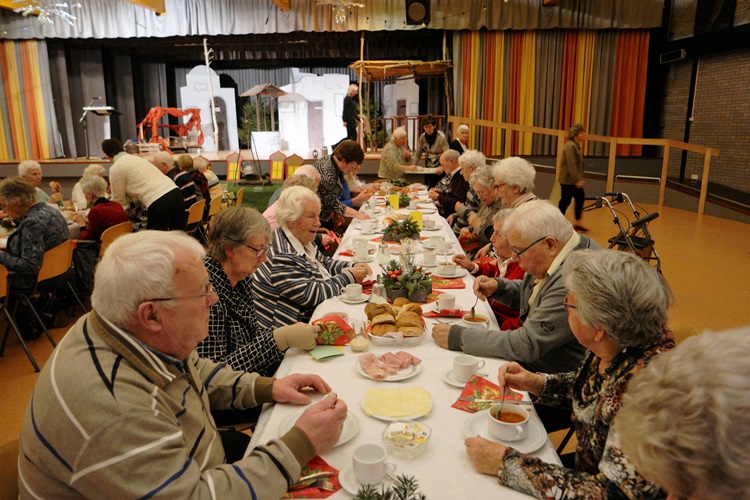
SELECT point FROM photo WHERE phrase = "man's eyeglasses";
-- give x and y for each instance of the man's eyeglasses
(260, 252)
(568, 306)
(521, 252)
(207, 292)
(498, 186)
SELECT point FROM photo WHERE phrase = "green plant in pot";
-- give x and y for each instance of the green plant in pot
(405, 279)
(399, 230)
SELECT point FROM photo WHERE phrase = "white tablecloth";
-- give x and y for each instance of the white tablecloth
(444, 470)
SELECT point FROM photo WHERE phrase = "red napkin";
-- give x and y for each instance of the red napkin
(446, 313)
(335, 331)
(447, 283)
(481, 388)
(314, 466)
(346, 253)
(367, 286)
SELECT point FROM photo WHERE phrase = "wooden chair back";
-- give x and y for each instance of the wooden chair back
(682, 332)
(57, 261)
(112, 233)
(215, 206)
(195, 214)
(238, 197)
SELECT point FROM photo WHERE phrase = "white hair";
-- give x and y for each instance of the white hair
(399, 133)
(308, 171)
(352, 88)
(291, 204)
(200, 163)
(515, 171)
(94, 169)
(463, 127)
(472, 158)
(162, 157)
(685, 419)
(94, 184)
(137, 267)
(482, 176)
(27, 166)
(537, 219)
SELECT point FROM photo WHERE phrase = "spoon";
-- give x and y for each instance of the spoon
(502, 403)
(473, 310)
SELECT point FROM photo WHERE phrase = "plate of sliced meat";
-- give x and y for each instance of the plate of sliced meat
(389, 367)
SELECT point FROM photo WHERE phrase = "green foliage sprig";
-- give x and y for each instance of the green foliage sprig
(404, 488)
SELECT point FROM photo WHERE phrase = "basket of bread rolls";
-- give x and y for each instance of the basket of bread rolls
(397, 324)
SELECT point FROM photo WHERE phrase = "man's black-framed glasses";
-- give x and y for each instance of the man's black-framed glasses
(207, 292)
(523, 250)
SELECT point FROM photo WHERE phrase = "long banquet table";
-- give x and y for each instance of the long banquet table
(444, 470)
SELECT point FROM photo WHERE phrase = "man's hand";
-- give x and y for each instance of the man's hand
(326, 240)
(300, 335)
(360, 272)
(485, 455)
(485, 287)
(289, 389)
(463, 261)
(450, 218)
(580, 184)
(55, 197)
(440, 334)
(433, 194)
(323, 423)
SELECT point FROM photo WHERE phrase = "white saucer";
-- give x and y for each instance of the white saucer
(363, 298)
(350, 429)
(371, 248)
(362, 261)
(476, 425)
(428, 211)
(460, 273)
(429, 265)
(449, 379)
(349, 481)
(372, 233)
(434, 228)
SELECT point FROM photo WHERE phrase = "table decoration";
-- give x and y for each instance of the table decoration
(481, 388)
(399, 230)
(441, 283)
(405, 279)
(445, 313)
(315, 486)
(333, 330)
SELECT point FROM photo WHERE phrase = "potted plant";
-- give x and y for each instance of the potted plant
(394, 288)
(405, 279)
(399, 230)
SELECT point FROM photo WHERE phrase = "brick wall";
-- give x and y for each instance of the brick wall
(742, 12)
(682, 21)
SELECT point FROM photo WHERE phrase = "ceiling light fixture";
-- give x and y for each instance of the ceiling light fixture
(45, 10)
(340, 8)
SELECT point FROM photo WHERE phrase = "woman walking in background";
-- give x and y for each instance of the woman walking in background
(571, 174)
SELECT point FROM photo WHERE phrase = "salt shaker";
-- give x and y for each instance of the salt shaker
(384, 255)
(379, 294)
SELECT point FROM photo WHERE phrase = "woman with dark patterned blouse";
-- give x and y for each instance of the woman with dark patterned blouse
(347, 157)
(239, 238)
(617, 308)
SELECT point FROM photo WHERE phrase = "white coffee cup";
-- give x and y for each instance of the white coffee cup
(447, 269)
(478, 321)
(446, 301)
(361, 243)
(361, 254)
(444, 246)
(429, 258)
(428, 223)
(508, 431)
(370, 465)
(464, 366)
(368, 226)
(413, 204)
(436, 240)
(353, 291)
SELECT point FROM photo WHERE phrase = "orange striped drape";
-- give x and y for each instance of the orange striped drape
(27, 133)
(630, 89)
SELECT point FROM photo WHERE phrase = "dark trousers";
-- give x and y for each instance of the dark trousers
(351, 130)
(568, 192)
(168, 212)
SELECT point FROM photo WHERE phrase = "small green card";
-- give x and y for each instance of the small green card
(326, 351)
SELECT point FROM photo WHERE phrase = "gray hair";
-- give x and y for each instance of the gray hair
(200, 163)
(291, 204)
(536, 219)
(501, 215)
(300, 180)
(462, 127)
(232, 227)
(94, 169)
(137, 267)
(515, 171)
(574, 131)
(451, 154)
(27, 166)
(162, 157)
(619, 292)
(15, 189)
(685, 419)
(399, 133)
(307, 171)
(95, 185)
(483, 177)
(472, 158)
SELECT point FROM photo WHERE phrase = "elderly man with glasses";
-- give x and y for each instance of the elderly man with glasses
(122, 408)
(540, 239)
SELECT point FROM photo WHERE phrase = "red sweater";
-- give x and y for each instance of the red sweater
(507, 318)
(103, 215)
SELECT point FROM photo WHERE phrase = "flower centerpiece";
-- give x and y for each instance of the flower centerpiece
(405, 279)
(404, 200)
(399, 230)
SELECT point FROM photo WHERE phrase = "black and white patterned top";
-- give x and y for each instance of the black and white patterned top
(234, 334)
(330, 188)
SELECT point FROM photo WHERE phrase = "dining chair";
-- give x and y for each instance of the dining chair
(238, 197)
(9, 469)
(213, 208)
(112, 233)
(11, 324)
(682, 332)
(195, 216)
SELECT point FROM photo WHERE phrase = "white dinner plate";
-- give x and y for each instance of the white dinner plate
(449, 379)
(349, 481)
(476, 425)
(434, 228)
(427, 210)
(372, 233)
(363, 298)
(351, 425)
(397, 419)
(460, 273)
(362, 261)
(401, 375)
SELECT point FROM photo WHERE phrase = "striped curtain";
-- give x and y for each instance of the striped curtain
(28, 125)
(552, 79)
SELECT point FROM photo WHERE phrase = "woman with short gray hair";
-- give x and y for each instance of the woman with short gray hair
(103, 214)
(469, 162)
(297, 276)
(31, 172)
(617, 307)
(395, 158)
(479, 229)
(79, 200)
(238, 242)
(514, 181)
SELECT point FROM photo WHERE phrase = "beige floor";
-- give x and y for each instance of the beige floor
(705, 259)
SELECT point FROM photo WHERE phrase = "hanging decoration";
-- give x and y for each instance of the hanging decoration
(47, 10)
(340, 8)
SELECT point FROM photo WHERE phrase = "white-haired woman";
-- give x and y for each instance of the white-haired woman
(479, 230)
(461, 142)
(350, 114)
(395, 158)
(78, 197)
(202, 165)
(617, 309)
(685, 420)
(31, 172)
(297, 276)
(238, 242)
(103, 214)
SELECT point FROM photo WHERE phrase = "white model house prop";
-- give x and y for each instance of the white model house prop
(402, 99)
(197, 94)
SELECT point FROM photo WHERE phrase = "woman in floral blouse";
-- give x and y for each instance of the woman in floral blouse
(617, 308)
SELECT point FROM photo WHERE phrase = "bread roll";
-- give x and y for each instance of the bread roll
(408, 318)
(381, 319)
(380, 330)
(388, 309)
(414, 307)
(400, 302)
(411, 331)
(372, 309)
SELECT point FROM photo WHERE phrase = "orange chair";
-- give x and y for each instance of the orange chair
(195, 215)
(293, 163)
(112, 233)
(11, 321)
(234, 167)
(238, 197)
(277, 166)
